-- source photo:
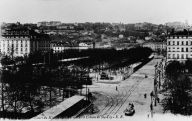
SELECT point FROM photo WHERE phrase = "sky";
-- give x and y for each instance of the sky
(113, 11)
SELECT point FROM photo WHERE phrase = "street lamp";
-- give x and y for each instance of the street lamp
(159, 78)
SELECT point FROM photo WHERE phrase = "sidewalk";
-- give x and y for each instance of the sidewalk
(142, 104)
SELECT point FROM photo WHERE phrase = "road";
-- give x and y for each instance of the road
(112, 102)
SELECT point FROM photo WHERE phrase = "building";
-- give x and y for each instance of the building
(146, 26)
(51, 23)
(17, 40)
(178, 26)
(84, 45)
(62, 46)
(155, 46)
(179, 47)
(103, 45)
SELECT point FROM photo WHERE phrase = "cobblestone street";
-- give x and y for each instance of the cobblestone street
(112, 99)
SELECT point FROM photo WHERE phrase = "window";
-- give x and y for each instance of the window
(182, 56)
(169, 55)
(187, 56)
(182, 43)
(169, 49)
(173, 49)
(16, 51)
(177, 56)
(186, 42)
(177, 42)
(173, 55)
(169, 43)
(186, 49)
(173, 42)
(182, 50)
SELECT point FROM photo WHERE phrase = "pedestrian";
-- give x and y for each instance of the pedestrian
(151, 107)
(151, 94)
(132, 106)
(145, 95)
(116, 88)
(158, 99)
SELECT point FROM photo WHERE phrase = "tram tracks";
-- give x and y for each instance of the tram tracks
(117, 101)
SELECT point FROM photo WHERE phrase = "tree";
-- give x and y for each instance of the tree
(179, 99)
(177, 87)
(6, 60)
(21, 89)
(173, 69)
(188, 65)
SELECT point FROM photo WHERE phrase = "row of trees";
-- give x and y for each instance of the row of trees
(112, 57)
(178, 88)
(34, 87)
(96, 56)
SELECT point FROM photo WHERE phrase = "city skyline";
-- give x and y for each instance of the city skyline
(113, 11)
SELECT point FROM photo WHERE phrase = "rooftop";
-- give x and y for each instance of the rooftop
(180, 34)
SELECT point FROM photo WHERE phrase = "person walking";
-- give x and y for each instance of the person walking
(145, 95)
(151, 94)
(151, 108)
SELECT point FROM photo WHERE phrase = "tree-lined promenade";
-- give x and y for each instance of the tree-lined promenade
(24, 85)
(96, 56)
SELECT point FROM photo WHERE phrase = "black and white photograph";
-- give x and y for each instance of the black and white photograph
(96, 60)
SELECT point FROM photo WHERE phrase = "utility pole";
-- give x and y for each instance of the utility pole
(86, 88)
(49, 57)
(2, 96)
(155, 83)
(159, 78)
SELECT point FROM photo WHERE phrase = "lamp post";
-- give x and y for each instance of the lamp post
(86, 88)
(159, 78)
(2, 96)
(155, 83)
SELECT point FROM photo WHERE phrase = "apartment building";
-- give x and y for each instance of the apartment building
(19, 41)
(155, 46)
(179, 47)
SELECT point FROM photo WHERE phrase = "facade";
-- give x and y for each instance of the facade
(19, 41)
(179, 47)
(51, 23)
(155, 46)
(61, 47)
(83, 45)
